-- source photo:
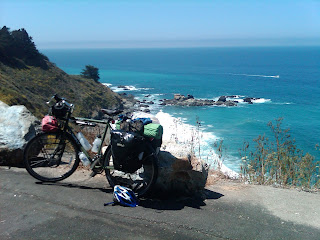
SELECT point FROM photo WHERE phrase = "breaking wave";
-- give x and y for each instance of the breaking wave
(125, 88)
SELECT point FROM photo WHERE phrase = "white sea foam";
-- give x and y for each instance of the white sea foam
(107, 84)
(239, 96)
(180, 138)
(261, 100)
(253, 100)
(240, 99)
(283, 103)
(128, 88)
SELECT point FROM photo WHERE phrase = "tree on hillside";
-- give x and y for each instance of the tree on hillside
(91, 72)
(18, 50)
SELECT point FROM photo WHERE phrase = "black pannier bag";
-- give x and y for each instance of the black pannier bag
(126, 148)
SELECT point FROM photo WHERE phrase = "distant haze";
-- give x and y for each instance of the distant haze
(189, 23)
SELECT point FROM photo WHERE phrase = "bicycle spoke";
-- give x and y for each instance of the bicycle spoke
(50, 158)
(140, 181)
(37, 162)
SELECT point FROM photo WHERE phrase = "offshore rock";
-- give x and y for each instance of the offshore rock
(181, 100)
(179, 97)
(248, 100)
(222, 99)
(17, 127)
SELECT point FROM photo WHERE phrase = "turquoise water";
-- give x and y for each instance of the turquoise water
(286, 79)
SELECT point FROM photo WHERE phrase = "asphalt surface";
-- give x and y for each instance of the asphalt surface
(74, 209)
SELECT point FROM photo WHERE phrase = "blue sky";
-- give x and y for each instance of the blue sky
(150, 23)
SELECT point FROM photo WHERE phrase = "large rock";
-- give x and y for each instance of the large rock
(17, 127)
(180, 175)
(222, 99)
(179, 97)
(190, 101)
(248, 100)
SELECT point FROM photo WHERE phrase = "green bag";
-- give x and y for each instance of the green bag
(118, 124)
(153, 130)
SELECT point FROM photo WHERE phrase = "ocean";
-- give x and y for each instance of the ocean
(285, 81)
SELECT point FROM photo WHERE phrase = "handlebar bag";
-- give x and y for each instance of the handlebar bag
(49, 124)
(60, 110)
(126, 148)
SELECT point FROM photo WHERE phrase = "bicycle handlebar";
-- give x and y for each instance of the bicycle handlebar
(60, 102)
(57, 98)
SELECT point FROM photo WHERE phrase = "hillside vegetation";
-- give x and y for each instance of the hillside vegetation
(27, 77)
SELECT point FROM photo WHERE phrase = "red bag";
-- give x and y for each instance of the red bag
(49, 124)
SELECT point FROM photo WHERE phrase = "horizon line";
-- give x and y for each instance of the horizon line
(201, 43)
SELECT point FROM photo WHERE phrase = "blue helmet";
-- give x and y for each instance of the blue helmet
(124, 196)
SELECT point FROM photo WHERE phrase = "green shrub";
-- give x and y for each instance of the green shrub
(278, 161)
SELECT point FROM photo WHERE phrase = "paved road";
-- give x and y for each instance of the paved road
(74, 209)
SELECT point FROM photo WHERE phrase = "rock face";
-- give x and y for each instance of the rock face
(17, 127)
(180, 175)
(248, 100)
(222, 99)
(189, 100)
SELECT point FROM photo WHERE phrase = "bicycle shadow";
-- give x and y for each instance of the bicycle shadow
(179, 202)
(77, 186)
(160, 203)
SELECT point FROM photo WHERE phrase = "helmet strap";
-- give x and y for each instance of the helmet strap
(109, 203)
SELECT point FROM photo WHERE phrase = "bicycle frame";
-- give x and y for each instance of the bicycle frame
(42, 157)
(68, 129)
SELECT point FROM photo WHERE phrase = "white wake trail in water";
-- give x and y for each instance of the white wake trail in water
(255, 75)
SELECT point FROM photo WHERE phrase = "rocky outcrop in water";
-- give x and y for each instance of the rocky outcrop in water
(249, 100)
(189, 100)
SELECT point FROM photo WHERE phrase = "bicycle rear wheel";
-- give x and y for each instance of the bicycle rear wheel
(140, 181)
(51, 157)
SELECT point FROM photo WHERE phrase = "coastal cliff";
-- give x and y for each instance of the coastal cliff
(28, 78)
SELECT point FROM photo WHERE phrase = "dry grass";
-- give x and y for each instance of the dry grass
(279, 162)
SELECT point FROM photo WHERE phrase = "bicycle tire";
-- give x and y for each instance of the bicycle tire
(140, 181)
(51, 157)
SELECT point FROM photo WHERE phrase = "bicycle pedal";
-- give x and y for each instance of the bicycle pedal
(95, 164)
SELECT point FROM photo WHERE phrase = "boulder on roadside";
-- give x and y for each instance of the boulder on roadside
(17, 127)
(180, 175)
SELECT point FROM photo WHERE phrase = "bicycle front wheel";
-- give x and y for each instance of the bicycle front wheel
(51, 157)
(140, 181)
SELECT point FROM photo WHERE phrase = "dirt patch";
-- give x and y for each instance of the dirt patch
(214, 176)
